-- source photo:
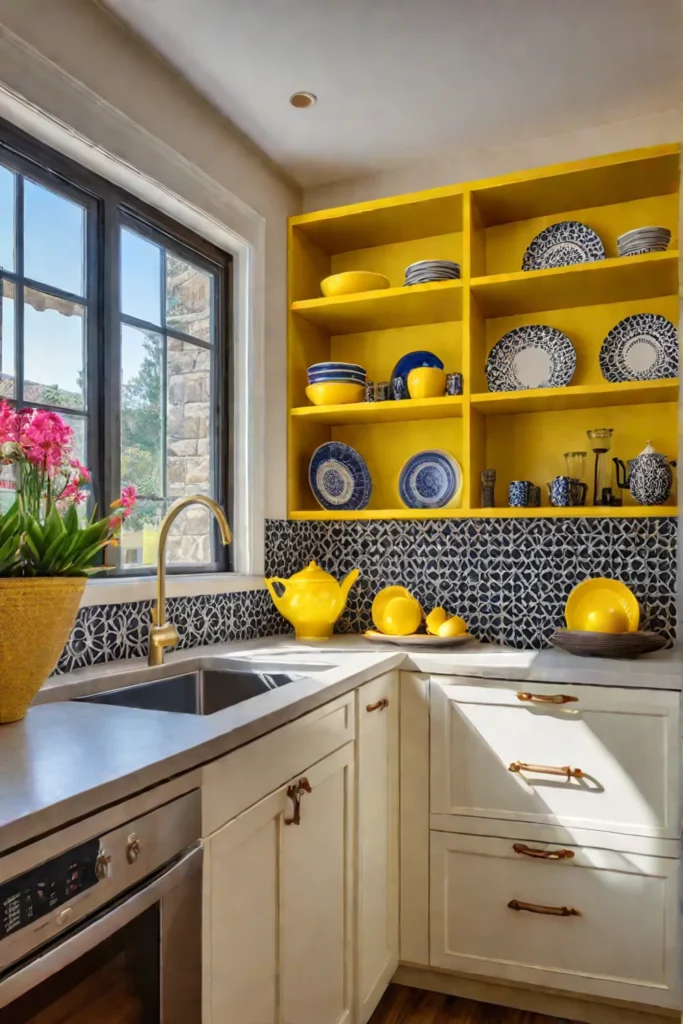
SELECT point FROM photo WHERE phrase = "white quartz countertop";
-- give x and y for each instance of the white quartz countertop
(65, 760)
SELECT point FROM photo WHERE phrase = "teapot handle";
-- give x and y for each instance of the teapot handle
(269, 583)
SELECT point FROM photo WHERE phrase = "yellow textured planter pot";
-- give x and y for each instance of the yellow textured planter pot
(36, 618)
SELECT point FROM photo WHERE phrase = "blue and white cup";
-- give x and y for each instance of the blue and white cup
(518, 493)
(560, 491)
(454, 384)
(399, 389)
(370, 391)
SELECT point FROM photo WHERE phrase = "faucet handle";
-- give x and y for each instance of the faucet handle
(161, 637)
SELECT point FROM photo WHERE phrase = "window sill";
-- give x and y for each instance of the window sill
(143, 588)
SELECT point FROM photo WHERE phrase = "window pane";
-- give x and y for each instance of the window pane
(141, 404)
(140, 277)
(188, 299)
(78, 425)
(54, 365)
(54, 239)
(7, 184)
(7, 387)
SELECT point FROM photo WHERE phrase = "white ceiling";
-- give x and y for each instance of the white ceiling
(398, 79)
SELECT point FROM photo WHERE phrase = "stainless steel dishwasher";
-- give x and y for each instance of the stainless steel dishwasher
(103, 924)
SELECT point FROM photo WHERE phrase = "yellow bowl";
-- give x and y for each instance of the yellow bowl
(402, 617)
(426, 382)
(601, 595)
(606, 620)
(335, 393)
(381, 601)
(353, 281)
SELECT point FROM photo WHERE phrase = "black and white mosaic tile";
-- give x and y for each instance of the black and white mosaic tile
(112, 632)
(508, 578)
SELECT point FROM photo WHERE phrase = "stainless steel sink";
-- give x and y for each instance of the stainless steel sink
(204, 691)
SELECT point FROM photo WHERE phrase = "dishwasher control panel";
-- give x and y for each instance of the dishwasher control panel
(37, 892)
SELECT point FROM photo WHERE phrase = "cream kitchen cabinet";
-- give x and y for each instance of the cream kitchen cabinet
(376, 881)
(278, 925)
(578, 756)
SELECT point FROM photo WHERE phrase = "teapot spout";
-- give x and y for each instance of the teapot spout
(347, 583)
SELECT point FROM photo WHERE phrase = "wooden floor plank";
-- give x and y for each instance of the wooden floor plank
(403, 1005)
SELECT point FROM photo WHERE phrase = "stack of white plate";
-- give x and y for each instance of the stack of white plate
(432, 270)
(642, 240)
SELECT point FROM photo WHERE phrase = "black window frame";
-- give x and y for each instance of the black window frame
(110, 210)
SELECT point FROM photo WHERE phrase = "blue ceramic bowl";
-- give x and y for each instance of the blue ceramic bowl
(336, 376)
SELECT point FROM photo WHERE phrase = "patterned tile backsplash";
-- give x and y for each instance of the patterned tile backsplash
(111, 632)
(509, 579)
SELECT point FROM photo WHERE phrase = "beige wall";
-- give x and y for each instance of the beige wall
(90, 46)
(453, 165)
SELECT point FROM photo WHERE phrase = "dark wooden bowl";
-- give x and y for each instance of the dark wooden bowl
(607, 645)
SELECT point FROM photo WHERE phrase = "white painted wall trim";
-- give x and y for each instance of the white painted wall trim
(143, 588)
(237, 229)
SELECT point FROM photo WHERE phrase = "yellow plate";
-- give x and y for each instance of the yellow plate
(383, 599)
(600, 593)
(335, 393)
(353, 281)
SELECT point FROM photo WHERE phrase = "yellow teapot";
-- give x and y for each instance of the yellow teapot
(312, 600)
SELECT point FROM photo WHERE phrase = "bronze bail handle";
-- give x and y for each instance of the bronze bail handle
(538, 908)
(530, 851)
(540, 698)
(546, 769)
(295, 793)
(379, 705)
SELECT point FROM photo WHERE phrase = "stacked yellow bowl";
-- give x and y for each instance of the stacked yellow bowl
(602, 605)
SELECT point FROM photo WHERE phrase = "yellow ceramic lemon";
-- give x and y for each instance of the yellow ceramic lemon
(426, 382)
(454, 626)
(606, 620)
(434, 620)
(402, 616)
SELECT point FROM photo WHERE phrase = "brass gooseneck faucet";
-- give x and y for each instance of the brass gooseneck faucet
(163, 634)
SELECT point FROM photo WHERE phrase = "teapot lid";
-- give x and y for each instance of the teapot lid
(312, 574)
(649, 450)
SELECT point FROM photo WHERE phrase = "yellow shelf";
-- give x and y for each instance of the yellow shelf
(580, 396)
(546, 512)
(445, 407)
(584, 284)
(434, 303)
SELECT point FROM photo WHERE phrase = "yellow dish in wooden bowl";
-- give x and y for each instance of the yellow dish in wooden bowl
(353, 281)
(335, 393)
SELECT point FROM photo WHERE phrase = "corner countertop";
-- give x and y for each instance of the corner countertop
(65, 760)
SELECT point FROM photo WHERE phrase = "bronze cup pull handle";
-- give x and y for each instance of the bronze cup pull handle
(537, 908)
(540, 698)
(530, 851)
(295, 792)
(379, 705)
(546, 769)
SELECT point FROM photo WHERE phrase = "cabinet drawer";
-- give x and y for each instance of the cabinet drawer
(243, 777)
(624, 744)
(622, 946)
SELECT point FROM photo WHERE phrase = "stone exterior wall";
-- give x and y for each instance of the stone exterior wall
(188, 424)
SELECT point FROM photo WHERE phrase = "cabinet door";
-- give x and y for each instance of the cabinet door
(317, 863)
(377, 856)
(242, 892)
(501, 750)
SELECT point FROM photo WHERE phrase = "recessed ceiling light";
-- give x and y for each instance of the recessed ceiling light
(303, 99)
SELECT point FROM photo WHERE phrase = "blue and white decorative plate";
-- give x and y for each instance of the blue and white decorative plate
(412, 360)
(641, 347)
(534, 356)
(339, 478)
(563, 244)
(336, 375)
(429, 479)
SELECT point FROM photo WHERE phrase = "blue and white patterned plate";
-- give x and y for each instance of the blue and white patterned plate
(563, 244)
(641, 347)
(429, 479)
(339, 478)
(534, 356)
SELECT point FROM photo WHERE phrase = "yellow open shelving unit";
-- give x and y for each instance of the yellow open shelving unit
(486, 227)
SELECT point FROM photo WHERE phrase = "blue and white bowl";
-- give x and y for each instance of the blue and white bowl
(331, 365)
(339, 477)
(429, 479)
(336, 375)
